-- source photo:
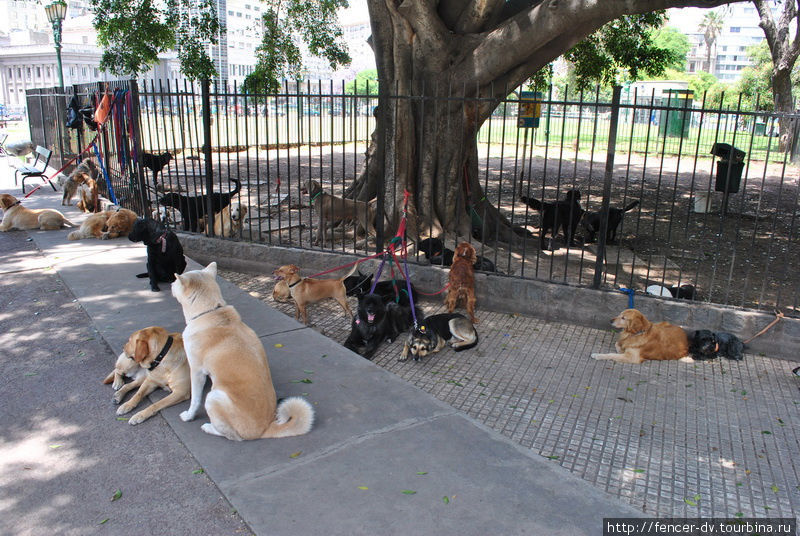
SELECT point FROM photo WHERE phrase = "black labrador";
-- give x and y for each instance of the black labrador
(564, 214)
(394, 291)
(193, 208)
(377, 322)
(164, 252)
(592, 220)
(707, 344)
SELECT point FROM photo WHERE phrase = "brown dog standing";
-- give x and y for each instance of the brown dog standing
(307, 290)
(641, 340)
(462, 280)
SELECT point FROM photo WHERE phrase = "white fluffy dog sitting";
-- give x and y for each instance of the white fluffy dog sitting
(241, 403)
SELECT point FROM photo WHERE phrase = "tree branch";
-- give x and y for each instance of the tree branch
(476, 15)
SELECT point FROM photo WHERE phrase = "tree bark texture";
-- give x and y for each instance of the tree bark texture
(462, 56)
(784, 48)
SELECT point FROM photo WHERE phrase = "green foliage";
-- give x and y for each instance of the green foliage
(678, 45)
(287, 23)
(366, 83)
(756, 81)
(622, 49)
(133, 33)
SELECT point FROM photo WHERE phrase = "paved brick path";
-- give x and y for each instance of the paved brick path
(673, 439)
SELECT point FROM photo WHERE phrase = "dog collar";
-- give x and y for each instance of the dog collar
(157, 361)
(639, 333)
(19, 202)
(316, 195)
(296, 282)
(220, 306)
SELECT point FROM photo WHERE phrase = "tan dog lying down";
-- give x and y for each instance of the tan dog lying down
(106, 225)
(331, 209)
(16, 216)
(228, 222)
(160, 355)
(241, 403)
(641, 340)
(305, 290)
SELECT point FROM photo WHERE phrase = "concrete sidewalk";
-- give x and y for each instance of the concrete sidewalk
(383, 458)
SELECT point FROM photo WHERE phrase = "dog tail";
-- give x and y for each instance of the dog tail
(629, 207)
(295, 416)
(535, 204)
(238, 186)
(467, 347)
(69, 224)
(351, 272)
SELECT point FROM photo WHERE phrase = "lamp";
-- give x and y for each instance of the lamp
(55, 14)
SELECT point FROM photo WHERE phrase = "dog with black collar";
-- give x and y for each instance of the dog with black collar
(160, 354)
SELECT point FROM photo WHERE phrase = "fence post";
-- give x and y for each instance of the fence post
(609, 174)
(206, 102)
(381, 115)
(137, 144)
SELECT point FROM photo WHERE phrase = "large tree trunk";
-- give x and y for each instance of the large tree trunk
(464, 55)
(782, 93)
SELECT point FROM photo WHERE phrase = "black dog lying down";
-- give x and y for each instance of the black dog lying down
(193, 208)
(591, 222)
(437, 254)
(377, 322)
(358, 285)
(707, 344)
(164, 252)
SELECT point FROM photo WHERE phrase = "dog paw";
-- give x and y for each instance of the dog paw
(155, 289)
(186, 416)
(597, 356)
(402, 358)
(117, 398)
(138, 418)
(124, 408)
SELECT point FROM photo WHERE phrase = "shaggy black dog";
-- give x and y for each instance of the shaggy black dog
(156, 162)
(377, 322)
(564, 215)
(592, 220)
(706, 344)
(193, 208)
(437, 254)
(164, 252)
(358, 285)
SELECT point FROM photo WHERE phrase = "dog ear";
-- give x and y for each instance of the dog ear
(142, 350)
(211, 268)
(293, 269)
(636, 322)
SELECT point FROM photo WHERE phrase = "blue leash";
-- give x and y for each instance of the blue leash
(105, 174)
(630, 292)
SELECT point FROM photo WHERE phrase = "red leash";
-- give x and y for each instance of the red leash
(345, 265)
(45, 181)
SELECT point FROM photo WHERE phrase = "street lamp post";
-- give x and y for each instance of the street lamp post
(55, 14)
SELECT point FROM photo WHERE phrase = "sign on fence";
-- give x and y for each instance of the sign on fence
(530, 109)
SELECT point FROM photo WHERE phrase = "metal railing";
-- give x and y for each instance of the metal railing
(730, 230)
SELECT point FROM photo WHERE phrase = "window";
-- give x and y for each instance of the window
(230, 13)
(96, 73)
(247, 6)
(10, 73)
(247, 17)
(85, 40)
(38, 72)
(238, 13)
(735, 29)
(84, 72)
(49, 72)
(28, 71)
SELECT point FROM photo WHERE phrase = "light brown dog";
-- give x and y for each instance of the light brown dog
(92, 227)
(281, 292)
(642, 340)
(161, 356)
(16, 216)
(228, 222)
(462, 280)
(307, 290)
(331, 209)
(88, 196)
(120, 223)
(88, 169)
(241, 403)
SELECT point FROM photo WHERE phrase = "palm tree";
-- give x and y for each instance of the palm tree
(711, 26)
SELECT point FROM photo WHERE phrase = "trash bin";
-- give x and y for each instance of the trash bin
(675, 121)
(729, 167)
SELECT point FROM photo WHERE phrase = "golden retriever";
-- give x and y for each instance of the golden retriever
(93, 227)
(641, 340)
(241, 403)
(16, 216)
(120, 223)
(161, 356)
(228, 222)
(305, 290)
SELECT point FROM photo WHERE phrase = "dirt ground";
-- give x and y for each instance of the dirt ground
(742, 256)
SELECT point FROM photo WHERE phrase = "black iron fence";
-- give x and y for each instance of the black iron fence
(724, 223)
